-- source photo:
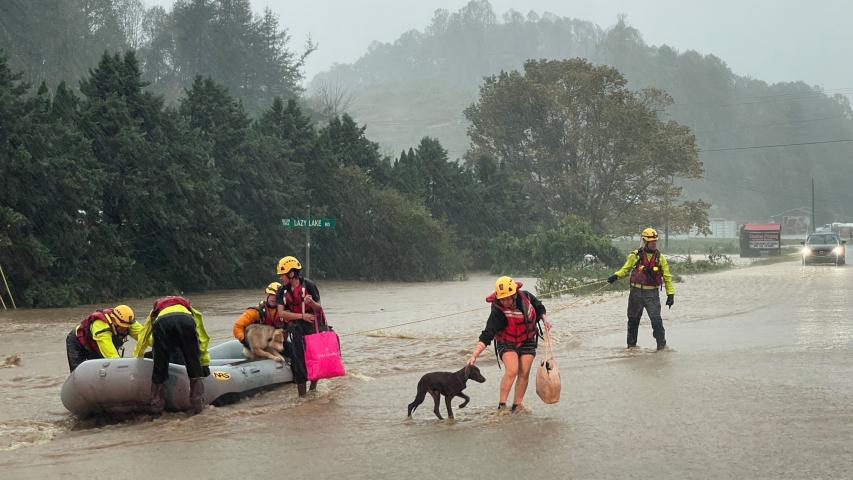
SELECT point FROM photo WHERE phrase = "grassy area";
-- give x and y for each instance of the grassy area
(714, 263)
(586, 280)
(575, 281)
(686, 246)
(700, 245)
(785, 257)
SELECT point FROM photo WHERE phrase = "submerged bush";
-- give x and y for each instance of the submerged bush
(557, 249)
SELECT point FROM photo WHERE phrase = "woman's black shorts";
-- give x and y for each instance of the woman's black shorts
(527, 347)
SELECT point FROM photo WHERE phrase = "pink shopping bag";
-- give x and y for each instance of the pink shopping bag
(323, 352)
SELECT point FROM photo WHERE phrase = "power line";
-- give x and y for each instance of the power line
(838, 200)
(749, 187)
(754, 147)
(741, 128)
(763, 99)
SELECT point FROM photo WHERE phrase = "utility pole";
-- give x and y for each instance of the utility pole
(308, 245)
(812, 222)
(666, 215)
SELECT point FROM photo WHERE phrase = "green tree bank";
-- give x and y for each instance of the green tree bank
(117, 188)
(581, 143)
(112, 193)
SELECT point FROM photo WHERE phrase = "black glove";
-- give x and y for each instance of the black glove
(205, 371)
(670, 299)
(612, 278)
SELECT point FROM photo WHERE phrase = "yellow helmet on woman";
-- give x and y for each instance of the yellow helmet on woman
(287, 264)
(272, 288)
(505, 287)
(650, 234)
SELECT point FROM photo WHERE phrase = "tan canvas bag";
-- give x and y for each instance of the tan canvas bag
(547, 375)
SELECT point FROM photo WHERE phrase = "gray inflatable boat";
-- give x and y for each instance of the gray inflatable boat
(123, 385)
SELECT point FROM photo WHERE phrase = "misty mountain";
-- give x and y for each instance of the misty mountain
(421, 83)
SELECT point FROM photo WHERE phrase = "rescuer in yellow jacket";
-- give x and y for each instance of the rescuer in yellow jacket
(100, 335)
(648, 271)
(176, 331)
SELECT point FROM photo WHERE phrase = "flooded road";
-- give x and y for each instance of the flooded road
(759, 384)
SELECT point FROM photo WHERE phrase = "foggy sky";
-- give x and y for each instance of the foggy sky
(775, 41)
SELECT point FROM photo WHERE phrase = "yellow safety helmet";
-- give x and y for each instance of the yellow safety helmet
(505, 287)
(272, 288)
(287, 264)
(122, 316)
(650, 234)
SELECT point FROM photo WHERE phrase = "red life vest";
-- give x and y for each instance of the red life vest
(647, 271)
(293, 303)
(293, 299)
(519, 326)
(267, 316)
(162, 303)
(84, 330)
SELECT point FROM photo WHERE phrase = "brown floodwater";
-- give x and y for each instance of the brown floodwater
(758, 384)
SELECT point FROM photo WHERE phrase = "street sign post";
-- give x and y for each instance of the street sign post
(308, 223)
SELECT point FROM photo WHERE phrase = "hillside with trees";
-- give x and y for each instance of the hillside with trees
(250, 54)
(422, 83)
(111, 193)
(145, 152)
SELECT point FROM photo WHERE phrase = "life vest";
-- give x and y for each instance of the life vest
(266, 316)
(162, 303)
(647, 271)
(520, 324)
(293, 299)
(84, 330)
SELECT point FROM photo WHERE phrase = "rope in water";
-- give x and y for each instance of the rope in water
(563, 307)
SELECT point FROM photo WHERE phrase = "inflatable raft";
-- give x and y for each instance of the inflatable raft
(123, 385)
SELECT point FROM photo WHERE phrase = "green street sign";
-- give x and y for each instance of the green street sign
(308, 222)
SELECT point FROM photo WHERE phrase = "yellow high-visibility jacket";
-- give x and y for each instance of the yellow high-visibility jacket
(103, 335)
(664, 266)
(146, 339)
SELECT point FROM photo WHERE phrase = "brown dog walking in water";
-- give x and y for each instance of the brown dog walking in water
(449, 384)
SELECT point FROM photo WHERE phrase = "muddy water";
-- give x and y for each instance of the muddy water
(758, 384)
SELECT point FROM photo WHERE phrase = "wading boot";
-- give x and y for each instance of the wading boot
(196, 395)
(158, 398)
(313, 386)
(300, 387)
(662, 345)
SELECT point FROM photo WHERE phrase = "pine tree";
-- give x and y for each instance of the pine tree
(51, 200)
(164, 196)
